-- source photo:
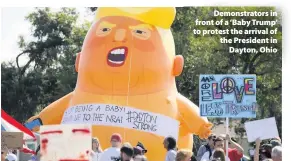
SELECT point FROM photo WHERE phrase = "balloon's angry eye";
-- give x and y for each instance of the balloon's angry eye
(139, 32)
(142, 34)
(105, 29)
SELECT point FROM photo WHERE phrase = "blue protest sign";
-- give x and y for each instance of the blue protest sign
(227, 96)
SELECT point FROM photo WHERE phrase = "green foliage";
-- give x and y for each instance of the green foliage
(206, 55)
(50, 73)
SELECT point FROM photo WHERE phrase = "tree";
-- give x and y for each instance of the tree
(205, 54)
(49, 72)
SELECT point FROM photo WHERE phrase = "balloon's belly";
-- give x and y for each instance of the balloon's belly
(134, 125)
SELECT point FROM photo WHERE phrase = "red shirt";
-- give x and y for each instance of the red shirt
(234, 155)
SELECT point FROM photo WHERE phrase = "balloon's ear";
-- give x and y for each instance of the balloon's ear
(77, 61)
(178, 65)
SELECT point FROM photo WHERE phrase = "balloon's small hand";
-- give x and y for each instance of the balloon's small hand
(205, 130)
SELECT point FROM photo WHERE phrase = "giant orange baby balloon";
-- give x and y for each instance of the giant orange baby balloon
(126, 83)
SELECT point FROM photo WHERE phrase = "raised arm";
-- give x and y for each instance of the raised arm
(257, 151)
(235, 145)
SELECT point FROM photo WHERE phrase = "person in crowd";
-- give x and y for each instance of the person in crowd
(11, 157)
(140, 158)
(257, 149)
(170, 146)
(262, 152)
(126, 152)
(219, 154)
(4, 152)
(139, 149)
(96, 148)
(37, 149)
(234, 154)
(184, 155)
(3, 155)
(112, 153)
(206, 148)
(277, 153)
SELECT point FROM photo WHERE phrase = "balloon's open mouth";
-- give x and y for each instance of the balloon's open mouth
(116, 56)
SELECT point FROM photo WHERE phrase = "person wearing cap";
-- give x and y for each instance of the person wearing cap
(11, 157)
(275, 143)
(209, 147)
(170, 146)
(112, 153)
(139, 149)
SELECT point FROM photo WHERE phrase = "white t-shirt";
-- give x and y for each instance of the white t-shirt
(96, 156)
(110, 154)
(205, 157)
(11, 157)
(171, 155)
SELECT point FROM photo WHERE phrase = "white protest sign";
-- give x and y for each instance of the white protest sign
(263, 129)
(122, 116)
(65, 142)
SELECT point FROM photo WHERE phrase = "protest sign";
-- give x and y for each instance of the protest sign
(257, 129)
(11, 140)
(121, 116)
(227, 96)
(65, 142)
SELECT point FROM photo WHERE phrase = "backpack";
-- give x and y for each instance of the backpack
(209, 150)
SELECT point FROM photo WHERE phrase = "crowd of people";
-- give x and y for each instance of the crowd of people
(213, 150)
(126, 152)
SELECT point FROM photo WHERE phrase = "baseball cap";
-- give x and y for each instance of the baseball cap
(116, 136)
(211, 136)
(141, 147)
(275, 143)
(11, 157)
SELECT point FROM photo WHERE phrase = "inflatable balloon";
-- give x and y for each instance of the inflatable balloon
(126, 83)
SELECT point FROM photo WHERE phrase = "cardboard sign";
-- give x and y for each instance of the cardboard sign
(122, 116)
(263, 129)
(65, 142)
(11, 140)
(227, 96)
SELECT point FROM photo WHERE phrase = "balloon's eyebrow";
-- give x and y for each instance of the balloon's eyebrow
(52, 132)
(141, 26)
(107, 24)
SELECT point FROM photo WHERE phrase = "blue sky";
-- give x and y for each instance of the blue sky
(13, 24)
